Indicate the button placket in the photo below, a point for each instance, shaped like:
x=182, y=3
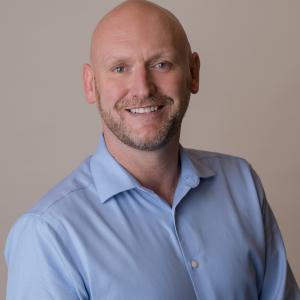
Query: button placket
x=190, y=254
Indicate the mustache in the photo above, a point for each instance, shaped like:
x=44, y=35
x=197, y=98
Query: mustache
x=159, y=100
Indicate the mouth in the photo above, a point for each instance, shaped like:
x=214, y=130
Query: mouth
x=144, y=110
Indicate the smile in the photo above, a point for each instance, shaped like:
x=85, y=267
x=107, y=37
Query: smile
x=143, y=110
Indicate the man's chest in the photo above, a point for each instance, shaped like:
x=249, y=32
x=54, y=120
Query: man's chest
x=157, y=256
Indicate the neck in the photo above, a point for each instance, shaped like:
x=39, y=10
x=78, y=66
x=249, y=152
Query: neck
x=157, y=170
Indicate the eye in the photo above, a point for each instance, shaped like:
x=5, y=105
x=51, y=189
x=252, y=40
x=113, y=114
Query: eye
x=163, y=66
x=119, y=69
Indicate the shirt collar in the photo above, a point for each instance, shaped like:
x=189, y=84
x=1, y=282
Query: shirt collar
x=192, y=166
x=111, y=178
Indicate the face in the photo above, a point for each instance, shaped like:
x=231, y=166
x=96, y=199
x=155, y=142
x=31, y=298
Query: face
x=142, y=82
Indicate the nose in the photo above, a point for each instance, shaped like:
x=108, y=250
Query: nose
x=142, y=85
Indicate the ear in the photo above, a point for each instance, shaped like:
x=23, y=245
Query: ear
x=195, y=69
x=89, y=84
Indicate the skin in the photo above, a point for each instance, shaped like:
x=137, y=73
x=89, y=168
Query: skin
x=141, y=58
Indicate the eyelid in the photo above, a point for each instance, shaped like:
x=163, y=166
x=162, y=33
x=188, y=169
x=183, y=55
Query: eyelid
x=167, y=64
x=121, y=65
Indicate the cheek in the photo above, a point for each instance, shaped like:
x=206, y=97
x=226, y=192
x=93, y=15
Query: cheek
x=175, y=87
x=111, y=91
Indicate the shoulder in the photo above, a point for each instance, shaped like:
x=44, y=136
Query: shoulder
x=236, y=171
x=53, y=211
x=67, y=193
x=218, y=161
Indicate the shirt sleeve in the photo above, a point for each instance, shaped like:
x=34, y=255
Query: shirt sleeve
x=38, y=266
x=279, y=282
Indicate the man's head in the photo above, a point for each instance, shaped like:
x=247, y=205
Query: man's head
x=141, y=74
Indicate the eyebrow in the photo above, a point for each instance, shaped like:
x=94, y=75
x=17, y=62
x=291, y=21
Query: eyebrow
x=114, y=60
x=111, y=60
x=163, y=53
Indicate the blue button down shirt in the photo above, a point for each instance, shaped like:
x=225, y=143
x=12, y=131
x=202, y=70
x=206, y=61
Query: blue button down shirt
x=99, y=234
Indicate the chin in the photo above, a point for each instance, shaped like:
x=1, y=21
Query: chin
x=146, y=143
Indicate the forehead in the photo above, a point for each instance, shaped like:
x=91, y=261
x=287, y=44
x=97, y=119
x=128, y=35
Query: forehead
x=130, y=33
x=129, y=43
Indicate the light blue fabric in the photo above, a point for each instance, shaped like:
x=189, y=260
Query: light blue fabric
x=100, y=235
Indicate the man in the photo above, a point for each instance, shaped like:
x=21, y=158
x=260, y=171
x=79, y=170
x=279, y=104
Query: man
x=145, y=218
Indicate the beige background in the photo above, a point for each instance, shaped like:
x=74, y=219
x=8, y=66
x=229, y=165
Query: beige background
x=248, y=103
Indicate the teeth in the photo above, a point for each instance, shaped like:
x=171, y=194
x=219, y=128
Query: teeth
x=142, y=110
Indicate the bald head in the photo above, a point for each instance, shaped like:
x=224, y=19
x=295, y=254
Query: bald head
x=141, y=75
x=138, y=15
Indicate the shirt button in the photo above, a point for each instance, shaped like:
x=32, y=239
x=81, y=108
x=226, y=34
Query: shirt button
x=194, y=264
x=191, y=181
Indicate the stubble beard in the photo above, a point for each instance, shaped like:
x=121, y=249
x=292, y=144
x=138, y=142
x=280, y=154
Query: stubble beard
x=169, y=128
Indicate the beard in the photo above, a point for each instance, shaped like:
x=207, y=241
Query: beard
x=169, y=128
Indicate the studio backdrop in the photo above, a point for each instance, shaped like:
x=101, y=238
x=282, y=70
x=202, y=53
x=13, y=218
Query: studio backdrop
x=248, y=104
